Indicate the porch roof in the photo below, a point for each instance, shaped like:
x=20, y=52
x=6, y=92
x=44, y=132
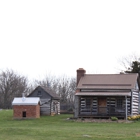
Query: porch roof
x=103, y=93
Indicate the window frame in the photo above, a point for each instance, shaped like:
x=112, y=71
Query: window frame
x=39, y=94
x=119, y=103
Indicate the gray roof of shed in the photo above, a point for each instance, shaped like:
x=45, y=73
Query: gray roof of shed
x=26, y=101
x=49, y=91
x=108, y=81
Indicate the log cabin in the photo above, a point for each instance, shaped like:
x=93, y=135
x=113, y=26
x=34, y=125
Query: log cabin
x=50, y=101
x=106, y=95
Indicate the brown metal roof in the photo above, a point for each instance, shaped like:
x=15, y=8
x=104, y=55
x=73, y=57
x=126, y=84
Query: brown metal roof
x=108, y=81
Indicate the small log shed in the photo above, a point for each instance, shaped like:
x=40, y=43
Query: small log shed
x=50, y=101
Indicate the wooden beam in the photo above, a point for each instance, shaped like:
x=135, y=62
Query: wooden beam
x=77, y=107
x=126, y=107
x=131, y=103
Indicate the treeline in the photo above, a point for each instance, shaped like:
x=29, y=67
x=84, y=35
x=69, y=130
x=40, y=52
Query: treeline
x=13, y=85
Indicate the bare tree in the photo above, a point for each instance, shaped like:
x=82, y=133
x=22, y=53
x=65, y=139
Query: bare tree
x=11, y=85
x=127, y=62
x=49, y=81
x=66, y=89
x=131, y=64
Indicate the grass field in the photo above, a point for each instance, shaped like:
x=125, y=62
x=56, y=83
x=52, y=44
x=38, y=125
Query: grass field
x=59, y=128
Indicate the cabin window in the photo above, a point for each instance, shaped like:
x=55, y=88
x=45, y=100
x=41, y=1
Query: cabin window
x=24, y=114
x=119, y=103
x=88, y=102
x=39, y=93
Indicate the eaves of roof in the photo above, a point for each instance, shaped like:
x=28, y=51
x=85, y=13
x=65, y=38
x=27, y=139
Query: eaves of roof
x=103, y=94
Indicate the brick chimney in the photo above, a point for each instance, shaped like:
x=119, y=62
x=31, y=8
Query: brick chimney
x=80, y=73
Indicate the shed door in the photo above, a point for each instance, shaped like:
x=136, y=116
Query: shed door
x=102, y=105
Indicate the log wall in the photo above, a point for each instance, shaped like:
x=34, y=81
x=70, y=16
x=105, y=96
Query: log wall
x=135, y=103
x=89, y=105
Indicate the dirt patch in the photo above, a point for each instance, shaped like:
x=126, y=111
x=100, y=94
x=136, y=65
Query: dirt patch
x=103, y=120
x=138, y=134
x=86, y=136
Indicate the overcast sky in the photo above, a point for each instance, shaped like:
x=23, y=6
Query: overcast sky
x=38, y=37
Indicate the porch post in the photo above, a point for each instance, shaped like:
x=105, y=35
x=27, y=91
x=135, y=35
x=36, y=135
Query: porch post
x=76, y=112
x=131, y=103
x=126, y=107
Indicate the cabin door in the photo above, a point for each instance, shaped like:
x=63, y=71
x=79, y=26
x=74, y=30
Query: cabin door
x=102, y=105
